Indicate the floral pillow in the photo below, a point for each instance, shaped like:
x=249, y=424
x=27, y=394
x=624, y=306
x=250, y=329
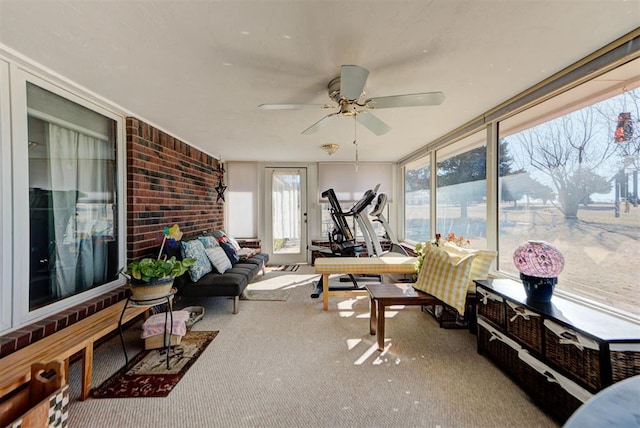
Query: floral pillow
x=208, y=241
x=202, y=266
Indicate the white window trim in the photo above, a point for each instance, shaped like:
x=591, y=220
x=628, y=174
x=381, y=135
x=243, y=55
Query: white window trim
x=5, y=200
x=20, y=206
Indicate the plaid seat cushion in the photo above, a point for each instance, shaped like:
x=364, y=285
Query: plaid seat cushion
x=481, y=263
x=445, y=277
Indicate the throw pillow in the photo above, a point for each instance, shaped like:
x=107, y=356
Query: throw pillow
x=222, y=236
x=445, y=278
x=481, y=263
x=202, y=266
x=231, y=252
x=233, y=242
x=218, y=259
x=208, y=241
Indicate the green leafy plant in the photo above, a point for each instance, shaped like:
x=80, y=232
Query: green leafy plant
x=149, y=270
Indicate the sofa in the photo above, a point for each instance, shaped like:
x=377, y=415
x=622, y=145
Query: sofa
x=217, y=273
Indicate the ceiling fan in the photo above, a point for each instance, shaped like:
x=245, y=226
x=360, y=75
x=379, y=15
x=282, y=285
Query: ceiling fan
x=346, y=91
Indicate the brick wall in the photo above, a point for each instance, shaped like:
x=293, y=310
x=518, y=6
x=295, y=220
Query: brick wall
x=168, y=182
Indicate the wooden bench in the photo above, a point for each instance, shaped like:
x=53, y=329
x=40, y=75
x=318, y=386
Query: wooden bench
x=359, y=265
x=15, y=368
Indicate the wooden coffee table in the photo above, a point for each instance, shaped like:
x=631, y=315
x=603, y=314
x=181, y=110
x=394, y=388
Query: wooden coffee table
x=383, y=295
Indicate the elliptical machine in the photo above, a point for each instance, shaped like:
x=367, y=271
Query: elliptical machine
x=378, y=213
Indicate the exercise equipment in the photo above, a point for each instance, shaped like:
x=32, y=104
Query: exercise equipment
x=342, y=242
x=378, y=213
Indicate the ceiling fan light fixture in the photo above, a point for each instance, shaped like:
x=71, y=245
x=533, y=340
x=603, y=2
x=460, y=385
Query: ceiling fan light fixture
x=330, y=148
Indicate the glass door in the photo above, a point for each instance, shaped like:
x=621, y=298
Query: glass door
x=286, y=210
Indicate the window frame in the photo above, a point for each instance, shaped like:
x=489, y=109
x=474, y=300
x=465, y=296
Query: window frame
x=6, y=233
x=20, y=205
x=608, y=59
x=461, y=146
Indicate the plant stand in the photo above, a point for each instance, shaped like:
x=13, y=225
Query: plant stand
x=167, y=298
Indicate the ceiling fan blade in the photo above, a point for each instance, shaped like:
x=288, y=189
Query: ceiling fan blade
x=319, y=124
x=409, y=100
x=374, y=124
x=352, y=80
x=293, y=106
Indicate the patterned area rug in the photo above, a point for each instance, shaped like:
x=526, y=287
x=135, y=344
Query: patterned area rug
x=148, y=376
x=282, y=268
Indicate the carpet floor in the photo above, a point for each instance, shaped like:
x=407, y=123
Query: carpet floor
x=291, y=364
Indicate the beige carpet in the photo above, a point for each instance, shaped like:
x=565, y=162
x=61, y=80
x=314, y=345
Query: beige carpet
x=291, y=364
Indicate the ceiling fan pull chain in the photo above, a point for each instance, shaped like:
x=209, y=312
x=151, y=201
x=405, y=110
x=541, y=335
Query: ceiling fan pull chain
x=355, y=139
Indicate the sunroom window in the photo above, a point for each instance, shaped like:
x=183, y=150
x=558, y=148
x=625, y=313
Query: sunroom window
x=73, y=230
x=573, y=182
x=417, y=185
x=461, y=190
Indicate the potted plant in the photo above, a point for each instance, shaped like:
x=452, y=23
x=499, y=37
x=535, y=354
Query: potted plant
x=151, y=278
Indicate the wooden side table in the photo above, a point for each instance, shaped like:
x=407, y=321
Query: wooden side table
x=383, y=295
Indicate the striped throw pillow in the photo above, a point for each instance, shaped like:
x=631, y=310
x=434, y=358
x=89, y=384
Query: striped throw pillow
x=481, y=263
x=218, y=259
x=445, y=277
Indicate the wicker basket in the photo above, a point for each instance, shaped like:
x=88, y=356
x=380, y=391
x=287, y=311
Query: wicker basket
x=500, y=349
x=491, y=307
x=574, y=353
x=525, y=326
x=625, y=360
x=448, y=317
x=547, y=392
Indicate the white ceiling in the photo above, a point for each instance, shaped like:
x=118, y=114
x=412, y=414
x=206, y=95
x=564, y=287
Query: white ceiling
x=199, y=69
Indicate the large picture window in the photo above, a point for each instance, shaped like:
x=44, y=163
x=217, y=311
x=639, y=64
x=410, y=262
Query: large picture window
x=417, y=185
x=571, y=179
x=563, y=170
x=73, y=233
x=461, y=190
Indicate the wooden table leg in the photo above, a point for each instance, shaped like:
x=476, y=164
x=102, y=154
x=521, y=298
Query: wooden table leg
x=325, y=291
x=380, y=329
x=87, y=371
x=372, y=316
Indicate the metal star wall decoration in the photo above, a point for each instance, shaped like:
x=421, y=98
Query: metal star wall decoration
x=220, y=189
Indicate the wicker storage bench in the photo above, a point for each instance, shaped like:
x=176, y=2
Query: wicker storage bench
x=561, y=353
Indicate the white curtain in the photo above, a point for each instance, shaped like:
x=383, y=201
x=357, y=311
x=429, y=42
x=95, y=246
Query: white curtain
x=79, y=173
x=286, y=205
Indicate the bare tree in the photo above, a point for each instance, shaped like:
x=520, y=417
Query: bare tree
x=571, y=152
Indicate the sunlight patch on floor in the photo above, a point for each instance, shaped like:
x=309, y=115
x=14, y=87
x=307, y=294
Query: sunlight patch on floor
x=352, y=343
x=373, y=351
x=276, y=280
